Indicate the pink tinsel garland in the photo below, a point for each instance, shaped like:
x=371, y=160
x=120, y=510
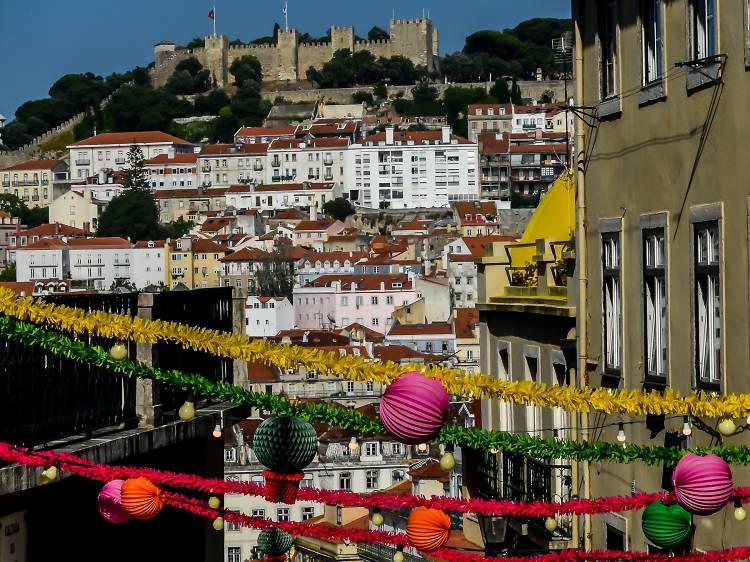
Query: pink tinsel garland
x=509, y=508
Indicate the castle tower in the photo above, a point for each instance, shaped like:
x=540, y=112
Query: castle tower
x=287, y=52
x=413, y=39
x=342, y=37
x=215, y=58
x=164, y=51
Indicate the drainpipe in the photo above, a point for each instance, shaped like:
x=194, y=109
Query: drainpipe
x=582, y=309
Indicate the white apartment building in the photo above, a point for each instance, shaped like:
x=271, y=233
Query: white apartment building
x=172, y=170
x=224, y=165
x=267, y=316
x=93, y=263
x=149, y=264
x=272, y=197
x=315, y=264
x=489, y=118
x=336, y=301
x=109, y=151
x=403, y=170
x=81, y=206
x=314, y=160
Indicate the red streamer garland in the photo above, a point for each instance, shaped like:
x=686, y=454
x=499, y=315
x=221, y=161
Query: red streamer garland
x=104, y=473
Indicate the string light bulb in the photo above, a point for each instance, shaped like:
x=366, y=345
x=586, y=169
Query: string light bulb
x=218, y=523
x=398, y=556
x=550, y=524
x=214, y=502
x=353, y=445
x=422, y=447
x=377, y=517
x=687, y=429
x=217, y=431
x=739, y=512
x=621, y=437
x=187, y=411
x=748, y=419
x=448, y=461
x=119, y=351
x=727, y=427
x=49, y=474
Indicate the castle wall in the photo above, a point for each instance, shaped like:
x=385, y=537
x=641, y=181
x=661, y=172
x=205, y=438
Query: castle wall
x=379, y=49
x=267, y=55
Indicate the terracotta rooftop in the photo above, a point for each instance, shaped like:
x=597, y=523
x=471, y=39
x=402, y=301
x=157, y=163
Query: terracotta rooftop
x=34, y=165
x=314, y=338
x=467, y=319
x=145, y=243
x=302, y=144
x=366, y=282
x=370, y=334
x=430, y=471
x=433, y=329
x=178, y=158
x=132, y=137
x=260, y=373
x=485, y=107
x=398, y=353
x=341, y=256
x=474, y=208
x=290, y=215
x=419, y=137
x=316, y=225
x=229, y=149
x=54, y=229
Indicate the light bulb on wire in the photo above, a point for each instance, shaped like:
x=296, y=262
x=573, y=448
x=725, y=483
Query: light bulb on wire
x=187, y=411
x=621, y=437
x=422, y=447
x=687, y=429
x=217, y=431
x=353, y=445
x=739, y=512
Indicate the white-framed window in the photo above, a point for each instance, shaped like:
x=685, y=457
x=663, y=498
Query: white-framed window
x=397, y=449
x=397, y=475
x=703, y=34
x=345, y=480
x=608, y=48
x=230, y=455
x=371, y=479
x=708, y=302
x=350, y=387
x=308, y=513
x=282, y=514
x=234, y=554
x=371, y=448
x=652, y=29
x=531, y=373
x=611, y=302
x=655, y=302
x=260, y=513
x=233, y=527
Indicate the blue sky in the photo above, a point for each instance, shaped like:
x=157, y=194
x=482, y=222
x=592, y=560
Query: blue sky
x=42, y=40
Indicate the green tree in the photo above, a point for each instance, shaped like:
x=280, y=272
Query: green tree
x=211, y=103
x=132, y=215
x=135, y=173
x=363, y=97
x=248, y=106
x=15, y=135
x=246, y=68
x=378, y=34
x=547, y=96
x=225, y=126
x=178, y=228
x=338, y=208
x=515, y=93
x=380, y=91
x=139, y=108
x=500, y=91
x=14, y=206
x=196, y=43
x=191, y=64
x=9, y=273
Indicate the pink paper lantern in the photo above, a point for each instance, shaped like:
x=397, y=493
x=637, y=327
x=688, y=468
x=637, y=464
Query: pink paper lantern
x=414, y=408
x=702, y=484
x=109, y=505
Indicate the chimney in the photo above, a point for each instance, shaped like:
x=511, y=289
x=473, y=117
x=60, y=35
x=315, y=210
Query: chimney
x=538, y=134
x=102, y=177
x=427, y=267
x=170, y=152
x=314, y=212
x=446, y=138
x=389, y=135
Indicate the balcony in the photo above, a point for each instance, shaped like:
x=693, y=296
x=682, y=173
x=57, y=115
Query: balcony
x=120, y=160
x=6, y=184
x=83, y=162
x=383, y=553
x=328, y=177
x=206, y=184
x=276, y=163
x=258, y=166
x=328, y=161
x=206, y=168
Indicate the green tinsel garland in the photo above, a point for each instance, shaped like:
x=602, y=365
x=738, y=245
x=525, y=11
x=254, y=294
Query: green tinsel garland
x=334, y=416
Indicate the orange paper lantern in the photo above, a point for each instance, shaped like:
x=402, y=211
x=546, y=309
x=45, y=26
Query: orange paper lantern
x=428, y=529
x=140, y=498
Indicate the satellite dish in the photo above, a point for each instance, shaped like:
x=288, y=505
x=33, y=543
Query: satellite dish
x=331, y=319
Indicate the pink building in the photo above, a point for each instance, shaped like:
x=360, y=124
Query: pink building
x=335, y=301
x=308, y=233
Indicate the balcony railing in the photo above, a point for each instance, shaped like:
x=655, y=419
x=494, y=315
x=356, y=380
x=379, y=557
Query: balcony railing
x=328, y=161
x=328, y=177
x=83, y=162
x=258, y=166
x=6, y=184
x=119, y=160
x=383, y=553
x=206, y=168
x=206, y=184
x=276, y=163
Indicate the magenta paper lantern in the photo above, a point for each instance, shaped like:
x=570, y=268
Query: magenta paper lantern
x=702, y=485
x=414, y=408
x=109, y=503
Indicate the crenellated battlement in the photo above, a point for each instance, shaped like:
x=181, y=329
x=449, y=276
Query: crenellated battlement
x=289, y=59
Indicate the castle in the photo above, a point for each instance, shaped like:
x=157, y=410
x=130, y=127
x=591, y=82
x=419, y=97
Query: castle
x=288, y=59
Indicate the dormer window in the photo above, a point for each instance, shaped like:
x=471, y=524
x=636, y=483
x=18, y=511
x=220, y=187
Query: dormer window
x=491, y=111
x=397, y=285
x=478, y=111
x=468, y=217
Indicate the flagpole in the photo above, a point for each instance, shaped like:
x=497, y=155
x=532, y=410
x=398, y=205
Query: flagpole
x=214, y=20
x=286, y=16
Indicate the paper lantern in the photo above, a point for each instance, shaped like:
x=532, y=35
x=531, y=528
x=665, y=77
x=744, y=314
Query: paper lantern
x=109, y=503
x=286, y=445
x=428, y=529
x=140, y=498
x=702, y=484
x=414, y=408
x=274, y=544
x=667, y=526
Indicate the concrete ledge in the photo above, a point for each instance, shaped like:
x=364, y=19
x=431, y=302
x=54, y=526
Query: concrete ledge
x=529, y=308
x=117, y=446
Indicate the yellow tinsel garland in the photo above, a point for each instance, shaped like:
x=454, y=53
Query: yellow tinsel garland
x=456, y=382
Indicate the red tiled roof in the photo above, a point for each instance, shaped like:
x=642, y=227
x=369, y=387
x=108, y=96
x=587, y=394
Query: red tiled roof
x=303, y=186
x=315, y=338
x=324, y=127
x=54, y=229
x=266, y=131
x=478, y=246
x=189, y=193
x=433, y=329
x=214, y=224
x=483, y=107
x=370, y=334
x=259, y=373
x=34, y=165
x=417, y=136
x=132, y=137
x=310, y=225
x=398, y=353
x=473, y=208
x=430, y=471
x=228, y=149
x=543, y=148
x=290, y=214
x=105, y=241
x=145, y=243
x=25, y=287
x=489, y=143
x=466, y=320
x=208, y=246
x=178, y=158
x=365, y=282
x=339, y=256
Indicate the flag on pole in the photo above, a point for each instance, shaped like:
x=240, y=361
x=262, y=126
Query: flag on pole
x=283, y=11
x=211, y=14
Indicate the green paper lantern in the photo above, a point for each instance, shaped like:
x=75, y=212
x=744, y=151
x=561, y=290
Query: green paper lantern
x=274, y=542
x=667, y=526
x=285, y=444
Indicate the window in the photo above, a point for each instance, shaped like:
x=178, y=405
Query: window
x=655, y=303
x=261, y=513
x=282, y=514
x=374, y=300
x=371, y=479
x=350, y=387
x=652, y=29
x=345, y=481
x=708, y=305
x=611, y=306
x=344, y=301
x=371, y=449
x=375, y=321
x=234, y=554
x=230, y=455
x=308, y=513
x=397, y=475
x=389, y=300
x=397, y=449
x=703, y=28
x=608, y=47
x=233, y=527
